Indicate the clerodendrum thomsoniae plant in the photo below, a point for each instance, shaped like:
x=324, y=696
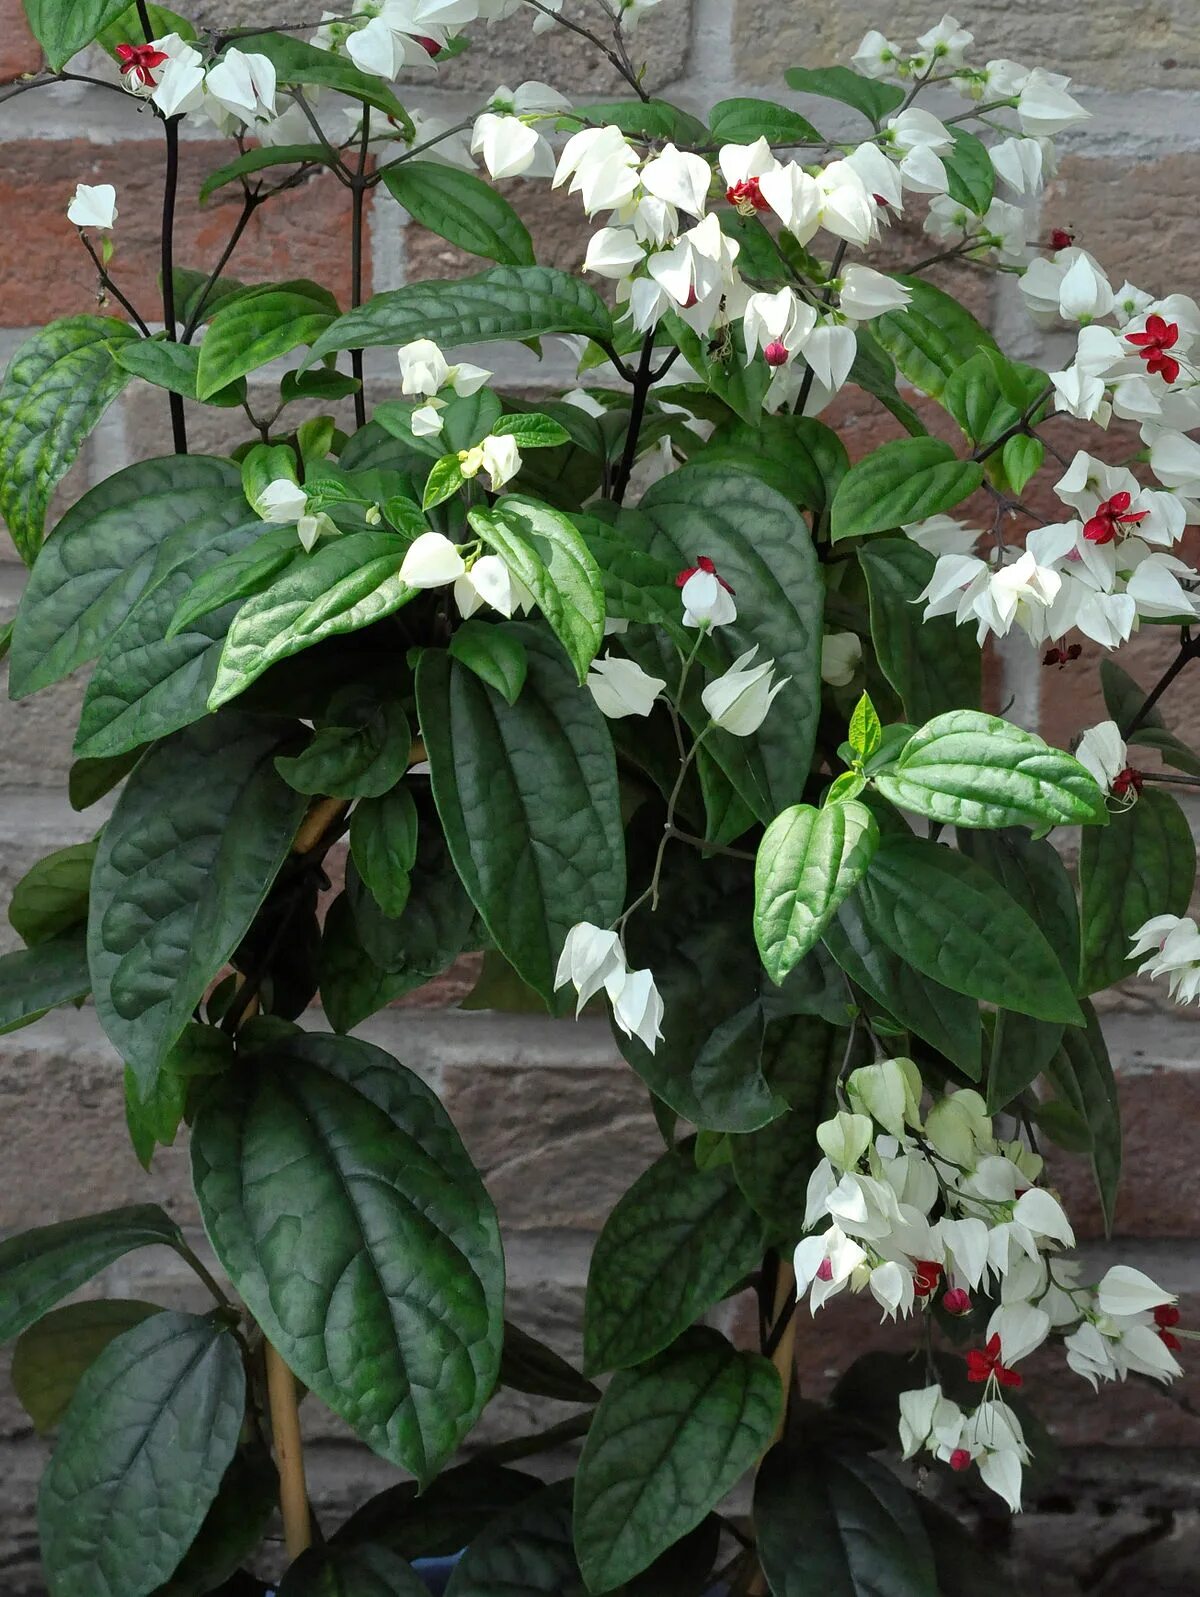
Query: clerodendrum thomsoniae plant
x=695, y=753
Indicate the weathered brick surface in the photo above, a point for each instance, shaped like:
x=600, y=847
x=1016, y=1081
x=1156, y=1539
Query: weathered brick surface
x=1114, y=206
x=1106, y=45
x=19, y=50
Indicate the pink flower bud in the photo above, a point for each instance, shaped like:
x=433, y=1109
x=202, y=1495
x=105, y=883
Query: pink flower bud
x=775, y=353
x=960, y=1459
x=957, y=1301
x=825, y=1271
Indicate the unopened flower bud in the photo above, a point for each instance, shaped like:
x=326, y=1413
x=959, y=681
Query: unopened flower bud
x=775, y=354
x=960, y=1459
x=957, y=1301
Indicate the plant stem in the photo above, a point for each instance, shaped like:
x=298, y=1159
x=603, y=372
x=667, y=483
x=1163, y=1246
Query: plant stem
x=835, y=266
x=250, y=204
x=618, y=60
x=358, y=194
x=110, y=287
x=205, y=1274
x=1189, y=647
x=289, y=1453
x=170, y=188
x=641, y=393
x=1019, y=426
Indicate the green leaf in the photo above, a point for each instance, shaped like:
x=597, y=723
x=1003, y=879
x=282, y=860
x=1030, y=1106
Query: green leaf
x=353, y=987
x=1021, y=1049
x=443, y=482
x=796, y=455
x=865, y=731
x=248, y=332
x=244, y=572
x=1032, y=872
x=345, y=584
x=127, y=27
x=38, y=1268
x=526, y=1551
x=724, y=366
x=1022, y=458
x=52, y=897
x=669, y=1439
x=351, y=1571
x=678, y=1241
x=262, y=158
x=742, y=121
x=527, y=795
x=33, y=980
x=494, y=654
x=948, y=1020
x=198, y=834
x=639, y=119
x=51, y=1356
x=969, y=769
x=119, y=539
x=57, y=386
x=196, y=300
x=462, y=208
x=874, y=371
x=63, y=30
x=532, y=430
x=527, y=1365
x=933, y=665
x=546, y=550
x=383, y=846
x=297, y=62
x=147, y=685
x=441, y=1520
x=839, y=1522
x=931, y=337
x=807, y=862
x=363, y=758
x=874, y=100
x=150, y=1432
x=1082, y=1074
x=901, y=482
x=1142, y=864
x=345, y=1210
x=232, y=1529
x=1063, y=1124
x=762, y=547
x=502, y=303
x=172, y=366
x=89, y=780
x=970, y=171
x=914, y=890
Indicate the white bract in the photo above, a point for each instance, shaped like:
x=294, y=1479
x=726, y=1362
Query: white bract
x=430, y=561
x=620, y=687
x=738, y=701
x=94, y=205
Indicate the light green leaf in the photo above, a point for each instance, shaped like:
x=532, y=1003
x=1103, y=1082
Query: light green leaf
x=807, y=862
x=532, y=430
x=51, y=1356
x=443, y=482
x=527, y=795
x=495, y=655
x=198, y=834
x=121, y=538
x=874, y=100
x=345, y=584
x=969, y=769
x=931, y=337
x=914, y=890
x=57, y=386
x=504, y=302
x=1142, y=864
x=462, y=208
x=345, y=1210
x=63, y=30
x=865, y=731
x=970, y=171
x=52, y=897
x=127, y=27
x=638, y=119
x=1022, y=458
x=933, y=665
x=668, y=1440
x=39, y=1268
x=741, y=121
x=901, y=482
x=150, y=1432
x=677, y=1241
x=258, y=327
x=546, y=550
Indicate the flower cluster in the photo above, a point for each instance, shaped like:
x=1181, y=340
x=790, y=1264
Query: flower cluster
x=927, y=1207
x=593, y=959
x=1173, y=943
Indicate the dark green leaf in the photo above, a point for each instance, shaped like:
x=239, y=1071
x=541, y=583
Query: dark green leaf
x=351, y=1571
x=345, y=1210
x=244, y=572
x=677, y=1241
x=1032, y=872
x=874, y=100
x=444, y=1518
x=668, y=1440
x=970, y=171
x=198, y=834
x=63, y=30
x=494, y=654
x=172, y=366
x=796, y=455
x=232, y=1528
x=246, y=333
x=150, y=1432
x=528, y=1365
x=901, y=482
x=931, y=337
x=33, y=980
x=1082, y=1074
x=1142, y=864
x=640, y=119
x=1021, y=1049
x=527, y=795
x=933, y=665
x=353, y=987
x=807, y=862
x=260, y=159
x=383, y=845
x=742, y=121
x=462, y=208
x=52, y=897
x=89, y=780
x=526, y=1552
x=50, y=1357
x=360, y=760
x=724, y=365
x=57, y=386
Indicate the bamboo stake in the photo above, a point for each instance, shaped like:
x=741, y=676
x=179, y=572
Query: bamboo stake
x=289, y=1454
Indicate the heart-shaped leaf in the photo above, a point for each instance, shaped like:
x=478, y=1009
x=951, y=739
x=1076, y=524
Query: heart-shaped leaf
x=807, y=862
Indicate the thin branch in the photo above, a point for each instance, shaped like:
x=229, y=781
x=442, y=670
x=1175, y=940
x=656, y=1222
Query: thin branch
x=358, y=194
x=251, y=203
x=419, y=149
x=1189, y=648
x=619, y=58
x=642, y=384
x=341, y=172
x=110, y=287
x=1019, y=426
x=42, y=80
x=835, y=267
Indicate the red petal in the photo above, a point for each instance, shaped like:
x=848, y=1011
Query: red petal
x=1118, y=502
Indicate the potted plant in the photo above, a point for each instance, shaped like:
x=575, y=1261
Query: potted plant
x=650, y=694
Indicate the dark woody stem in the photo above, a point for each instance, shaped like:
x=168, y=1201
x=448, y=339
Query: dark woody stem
x=358, y=194
x=110, y=287
x=170, y=188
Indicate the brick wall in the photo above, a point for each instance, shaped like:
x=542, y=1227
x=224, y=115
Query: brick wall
x=556, y=1122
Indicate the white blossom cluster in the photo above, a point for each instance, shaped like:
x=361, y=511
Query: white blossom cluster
x=928, y=1206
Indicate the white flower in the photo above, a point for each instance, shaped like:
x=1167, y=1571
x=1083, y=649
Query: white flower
x=876, y=57
x=620, y=687
x=942, y=535
x=865, y=293
x=947, y=42
x=1044, y=106
x=741, y=162
x=489, y=581
x=637, y=1005
x=1124, y=1290
x=1020, y=163
x=602, y=167
x=282, y=500
x=426, y=421
x=829, y=350
x=707, y=600
x=841, y=653
x=825, y=1263
x=924, y=1413
x=892, y=1288
x=878, y=174
x=992, y=1435
x=1040, y=1214
x=1154, y=585
x=590, y=958
x=244, y=85
x=498, y=455
x=310, y=528
x=1102, y=752
x=1084, y=293
x=1175, y=461
x=738, y=700
x=779, y=318
x=1091, y=1355
x=423, y=368
x=847, y=209
x=889, y=1091
x=1021, y=1327
x=795, y=197
x=94, y=205
x=922, y=140
x=180, y=85
x=613, y=252
x=430, y=561
x=694, y=274
x=845, y=1139
x=678, y=179
x=510, y=147
x=966, y=1243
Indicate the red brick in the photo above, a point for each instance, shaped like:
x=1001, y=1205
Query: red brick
x=303, y=233
x=1115, y=207
x=19, y=50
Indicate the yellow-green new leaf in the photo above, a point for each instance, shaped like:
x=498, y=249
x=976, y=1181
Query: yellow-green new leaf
x=808, y=861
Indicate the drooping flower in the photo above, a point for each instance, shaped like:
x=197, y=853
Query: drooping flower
x=590, y=957
x=431, y=561
x=620, y=687
x=138, y=65
x=738, y=700
x=282, y=500
x=986, y=1363
x=94, y=205
x=244, y=85
x=707, y=597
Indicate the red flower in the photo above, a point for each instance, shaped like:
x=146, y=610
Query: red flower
x=1153, y=344
x=957, y=1301
x=747, y=197
x=139, y=61
x=928, y=1274
x=960, y=1459
x=1169, y=1341
x=1166, y=1314
x=430, y=46
x=775, y=353
x=983, y=1363
x=1127, y=780
x=703, y=563
x=1111, y=517
x=1059, y=656
x=1060, y=239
